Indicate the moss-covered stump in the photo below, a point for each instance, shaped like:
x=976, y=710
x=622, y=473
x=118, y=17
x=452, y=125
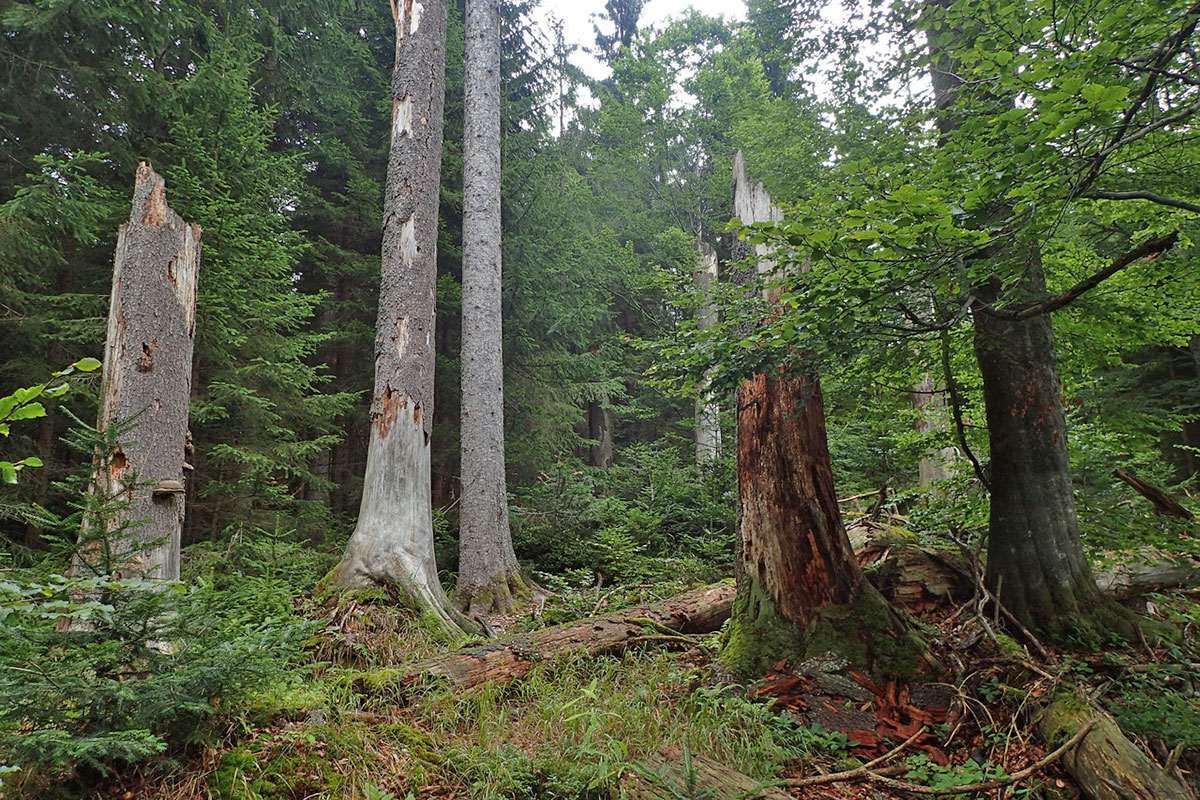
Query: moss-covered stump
x=867, y=632
x=1105, y=764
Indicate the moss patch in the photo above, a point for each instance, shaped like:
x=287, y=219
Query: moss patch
x=867, y=632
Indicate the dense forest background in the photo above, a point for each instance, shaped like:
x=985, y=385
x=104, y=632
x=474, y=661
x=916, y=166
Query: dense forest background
x=270, y=124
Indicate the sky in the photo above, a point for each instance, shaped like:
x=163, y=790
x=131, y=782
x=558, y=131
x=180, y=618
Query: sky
x=577, y=20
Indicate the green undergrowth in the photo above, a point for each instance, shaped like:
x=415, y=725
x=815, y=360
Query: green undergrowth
x=570, y=730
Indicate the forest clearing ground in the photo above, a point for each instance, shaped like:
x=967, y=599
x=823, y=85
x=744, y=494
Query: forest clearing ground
x=589, y=727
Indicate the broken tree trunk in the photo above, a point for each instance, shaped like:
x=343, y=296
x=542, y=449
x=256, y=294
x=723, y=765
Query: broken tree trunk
x=708, y=412
x=671, y=775
x=1106, y=764
x=144, y=390
x=800, y=588
x=929, y=401
x=697, y=611
x=1163, y=503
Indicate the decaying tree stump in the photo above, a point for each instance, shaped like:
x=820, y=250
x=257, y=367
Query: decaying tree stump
x=698, y=611
x=146, y=385
x=1105, y=764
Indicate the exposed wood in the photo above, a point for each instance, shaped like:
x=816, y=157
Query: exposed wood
x=697, y=611
x=1106, y=764
x=1163, y=503
x=672, y=774
x=146, y=385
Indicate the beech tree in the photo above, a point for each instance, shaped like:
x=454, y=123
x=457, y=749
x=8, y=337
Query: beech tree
x=1023, y=196
x=800, y=591
x=488, y=573
x=392, y=543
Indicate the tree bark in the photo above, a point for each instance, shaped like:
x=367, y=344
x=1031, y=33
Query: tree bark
x=800, y=588
x=488, y=574
x=392, y=543
x=144, y=391
x=695, y=612
x=1035, y=565
x=708, y=412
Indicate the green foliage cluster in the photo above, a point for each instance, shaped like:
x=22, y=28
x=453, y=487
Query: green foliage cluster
x=650, y=517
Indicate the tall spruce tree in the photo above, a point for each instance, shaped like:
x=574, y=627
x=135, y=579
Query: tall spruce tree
x=488, y=573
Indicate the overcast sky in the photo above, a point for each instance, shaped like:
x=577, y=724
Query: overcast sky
x=577, y=19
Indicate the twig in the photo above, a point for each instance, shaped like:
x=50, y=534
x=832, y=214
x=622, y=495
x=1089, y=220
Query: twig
x=986, y=786
x=857, y=772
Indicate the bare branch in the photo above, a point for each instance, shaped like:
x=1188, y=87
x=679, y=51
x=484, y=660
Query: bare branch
x=1147, y=196
x=1152, y=248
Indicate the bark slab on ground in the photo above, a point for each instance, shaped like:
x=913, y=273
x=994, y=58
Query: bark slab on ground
x=697, y=611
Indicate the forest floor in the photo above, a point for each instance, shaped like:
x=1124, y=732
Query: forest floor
x=662, y=720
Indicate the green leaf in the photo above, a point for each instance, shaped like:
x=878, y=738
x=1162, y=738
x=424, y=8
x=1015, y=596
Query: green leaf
x=8, y=472
x=58, y=391
x=88, y=364
x=30, y=411
x=32, y=461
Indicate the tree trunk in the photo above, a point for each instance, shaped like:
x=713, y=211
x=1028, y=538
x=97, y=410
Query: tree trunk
x=800, y=588
x=930, y=404
x=708, y=412
x=488, y=571
x=145, y=389
x=392, y=543
x=697, y=611
x=600, y=454
x=1035, y=565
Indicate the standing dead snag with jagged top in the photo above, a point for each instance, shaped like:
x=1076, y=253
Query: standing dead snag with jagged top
x=488, y=575
x=800, y=589
x=708, y=412
x=392, y=543
x=146, y=385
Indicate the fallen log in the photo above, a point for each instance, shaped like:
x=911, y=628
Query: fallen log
x=917, y=576
x=697, y=611
x=672, y=775
x=1163, y=503
x=1105, y=764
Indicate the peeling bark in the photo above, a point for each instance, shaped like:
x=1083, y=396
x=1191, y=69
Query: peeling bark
x=392, y=543
x=708, y=412
x=145, y=387
x=488, y=573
